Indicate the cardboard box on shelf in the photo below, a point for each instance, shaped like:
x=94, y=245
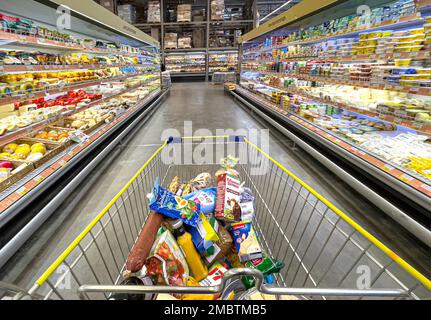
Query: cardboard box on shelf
x=154, y=12
x=217, y=10
x=127, y=12
x=184, y=13
x=184, y=42
x=171, y=40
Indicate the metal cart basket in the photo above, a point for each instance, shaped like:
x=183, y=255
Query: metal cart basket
x=327, y=254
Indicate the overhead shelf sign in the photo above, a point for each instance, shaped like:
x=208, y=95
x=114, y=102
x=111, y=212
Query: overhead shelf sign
x=91, y=10
x=298, y=11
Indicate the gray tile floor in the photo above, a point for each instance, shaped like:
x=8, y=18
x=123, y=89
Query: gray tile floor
x=207, y=107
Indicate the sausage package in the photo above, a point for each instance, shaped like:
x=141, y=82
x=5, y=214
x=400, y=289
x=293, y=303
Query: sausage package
x=228, y=192
x=167, y=203
x=167, y=264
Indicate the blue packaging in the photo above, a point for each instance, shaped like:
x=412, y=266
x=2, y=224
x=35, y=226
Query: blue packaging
x=206, y=198
x=167, y=203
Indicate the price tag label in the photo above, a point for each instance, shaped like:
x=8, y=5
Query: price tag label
x=39, y=179
x=406, y=178
x=22, y=191
x=79, y=137
x=387, y=168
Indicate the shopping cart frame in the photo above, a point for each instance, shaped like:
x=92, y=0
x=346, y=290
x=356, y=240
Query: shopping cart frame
x=85, y=289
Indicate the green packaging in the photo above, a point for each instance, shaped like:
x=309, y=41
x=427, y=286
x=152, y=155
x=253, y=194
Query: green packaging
x=266, y=265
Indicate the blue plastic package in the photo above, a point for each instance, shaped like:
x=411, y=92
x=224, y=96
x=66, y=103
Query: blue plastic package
x=206, y=198
x=167, y=203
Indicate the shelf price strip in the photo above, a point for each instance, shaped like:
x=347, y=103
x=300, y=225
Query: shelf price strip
x=402, y=176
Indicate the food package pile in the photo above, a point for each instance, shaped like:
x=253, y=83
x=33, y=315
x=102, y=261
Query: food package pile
x=153, y=12
x=196, y=231
x=184, y=13
x=171, y=40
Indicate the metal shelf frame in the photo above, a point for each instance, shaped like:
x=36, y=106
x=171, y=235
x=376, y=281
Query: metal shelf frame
x=208, y=25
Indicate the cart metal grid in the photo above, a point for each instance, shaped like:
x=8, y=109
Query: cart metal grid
x=327, y=254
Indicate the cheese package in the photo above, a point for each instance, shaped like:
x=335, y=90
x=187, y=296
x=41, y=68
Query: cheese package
x=246, y=243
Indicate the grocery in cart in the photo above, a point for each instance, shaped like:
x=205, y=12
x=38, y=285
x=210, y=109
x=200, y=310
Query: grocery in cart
x=239, y=227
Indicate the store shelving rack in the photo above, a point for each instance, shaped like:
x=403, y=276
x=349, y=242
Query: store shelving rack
x=207, y=25
x=88, y=20
x=414, y=188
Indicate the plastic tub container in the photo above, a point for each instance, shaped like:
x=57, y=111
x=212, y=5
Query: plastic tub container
x=408, y=49
x=423, y=70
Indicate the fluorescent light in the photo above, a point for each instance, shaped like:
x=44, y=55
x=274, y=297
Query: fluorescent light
x=280, y=7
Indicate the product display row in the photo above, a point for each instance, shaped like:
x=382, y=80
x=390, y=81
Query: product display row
x=197, y=62
x=190, y=63
x=60, y=92
x=398, y=151
x=223, y=62
x=64, y=133
x=359, y=81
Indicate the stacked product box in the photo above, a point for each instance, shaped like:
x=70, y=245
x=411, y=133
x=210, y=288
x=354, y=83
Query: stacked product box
x=217, y=9
x=184, y=42
x=184, y=13
x=127, y=12
x=171, y=40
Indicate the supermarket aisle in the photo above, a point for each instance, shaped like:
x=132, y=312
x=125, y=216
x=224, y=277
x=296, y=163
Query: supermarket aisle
x=207, y=107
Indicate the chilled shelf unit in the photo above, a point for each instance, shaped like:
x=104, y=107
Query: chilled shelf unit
x=356, y=86
x=64, y=93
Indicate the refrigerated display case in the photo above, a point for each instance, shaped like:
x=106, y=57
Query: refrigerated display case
x=187, y=63
x=357, y=84
x=65, y=91
x=223, y=61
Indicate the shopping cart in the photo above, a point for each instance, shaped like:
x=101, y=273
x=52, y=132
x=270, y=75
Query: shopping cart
x=327, y=254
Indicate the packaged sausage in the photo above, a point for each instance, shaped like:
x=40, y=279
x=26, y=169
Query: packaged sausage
x=167, y=203
x=228, y=192
x=167, y=264
x=142, y=247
